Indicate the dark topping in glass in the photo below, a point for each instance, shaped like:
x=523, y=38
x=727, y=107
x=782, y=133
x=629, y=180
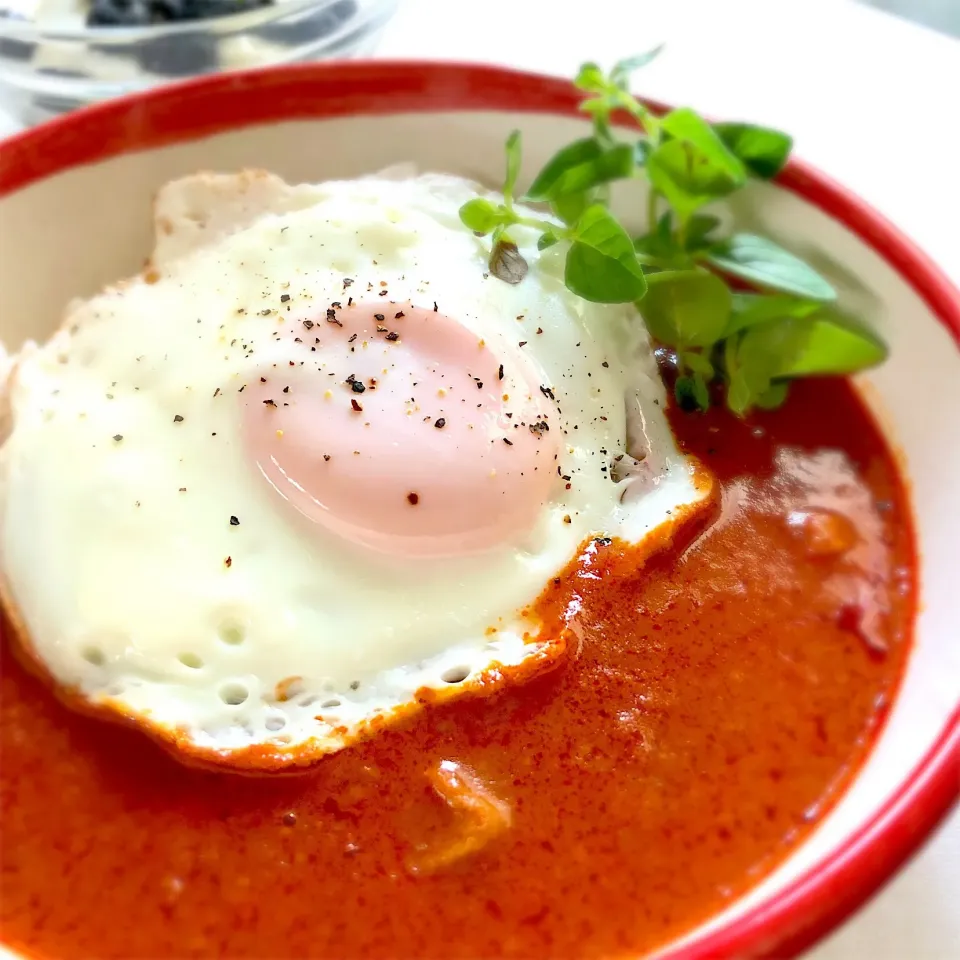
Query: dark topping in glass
x=440, y=423
x=332, y=317
x=379, y=316
x=500, y=372
x=393, y=335
x=326, y=456
x=286, y=389
x=178, y=419
x=284, y=297
x=547, y=392
x=309, y=323
x=269, y=403
x=397, y=316
x=228, y=562
x=118, y=437
x=509, y=443
x=347, y=282
x=357, y=386
x=234, y=522
x=356, y=406
x=352, y=337
x=413, y=499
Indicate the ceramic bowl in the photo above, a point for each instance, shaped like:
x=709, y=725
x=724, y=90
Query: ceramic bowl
x=75, y=213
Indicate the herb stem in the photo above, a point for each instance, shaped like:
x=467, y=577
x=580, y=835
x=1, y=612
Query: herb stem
x=652, y=197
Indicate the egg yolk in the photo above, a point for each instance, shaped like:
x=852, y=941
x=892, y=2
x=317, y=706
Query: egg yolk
x=397, y=428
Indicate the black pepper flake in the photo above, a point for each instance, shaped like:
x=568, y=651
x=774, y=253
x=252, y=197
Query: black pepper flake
x=539, y=428
x=539, y=329
x=357, y=386
x=286, y=389
x=118, y=437
x=356, y=406
x=244, y=387
x=508, y=442
x=284, y=297
x=351, y=338
x=547, y=392
x=266, y=313
x=269, y=403
x=500, y=372
x=263, y=379
x=383, y=293
x=228, y=562
x=379, y=316
x=347, y=282
x=337, y=304
x=350, y=302
x=178, y=419
x=413, y=499
x=440, y=423
x=332, y=317
x=216, y=392
x=522, y=343
x=183, y=490
x=393, y=335
x=604, y=364
x=326, y=456
x=397, y=316
x=435, y=306
x=234, y=522
x=354, y=684
x=308, y=324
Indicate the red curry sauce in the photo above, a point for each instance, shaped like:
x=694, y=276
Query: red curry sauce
x=720, y=699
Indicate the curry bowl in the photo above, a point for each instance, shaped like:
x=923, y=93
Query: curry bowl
x=75, y=202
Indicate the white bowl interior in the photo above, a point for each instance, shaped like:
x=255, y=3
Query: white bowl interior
x=66, y=235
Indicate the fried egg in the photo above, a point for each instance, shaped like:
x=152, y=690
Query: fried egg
x=312, y=468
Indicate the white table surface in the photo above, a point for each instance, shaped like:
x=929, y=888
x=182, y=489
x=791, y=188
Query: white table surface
x=858, y=89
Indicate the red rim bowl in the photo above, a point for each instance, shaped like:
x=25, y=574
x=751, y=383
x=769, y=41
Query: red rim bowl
x=814, y=903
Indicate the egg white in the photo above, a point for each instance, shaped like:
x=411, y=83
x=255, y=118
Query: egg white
x=115, y=551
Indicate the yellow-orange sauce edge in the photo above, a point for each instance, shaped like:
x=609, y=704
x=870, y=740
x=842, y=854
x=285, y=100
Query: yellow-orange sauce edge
x=718, y=701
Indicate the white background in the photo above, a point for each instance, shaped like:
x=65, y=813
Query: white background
x=872, y=101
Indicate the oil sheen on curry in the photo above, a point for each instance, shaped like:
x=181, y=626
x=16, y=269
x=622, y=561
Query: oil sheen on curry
x=360, y=603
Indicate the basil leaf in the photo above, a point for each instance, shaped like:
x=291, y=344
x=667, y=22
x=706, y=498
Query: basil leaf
x=590, y=78
x=572, y=155
x=480, y=215
x=698, y=363
x=752, y=308
x=689, y=127
x=685, y=178
x=764, y=263
x=699, y=228
x=692, y=393
x=686, y=308
x=576, y=170
x=601, y=265
x=620, y=74
x=660, y=245
x=513, y=150
x=570, y=206
x=763, y=150
x=826, y=343
x=774, y=395
x=547, y=240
